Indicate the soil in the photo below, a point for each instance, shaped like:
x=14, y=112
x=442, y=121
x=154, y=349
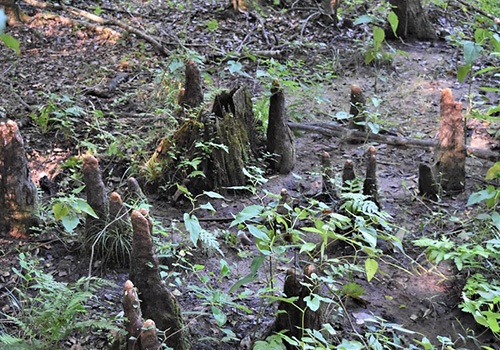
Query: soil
x=65, y=58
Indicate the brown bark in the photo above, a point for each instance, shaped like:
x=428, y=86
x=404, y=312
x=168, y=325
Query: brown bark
x=96, y=195
x=192, y=94
x=334, y=130
x=357, y=109
x=450, y=152
x=149, y=338
x=157, y=302
x=370, y=187
x=348, y=173
x=427, y=185
x=280, y=140
x=118, y=241
x=133, y=315
x=234, y=126
x=413, y=21
x=18, y=194
x=294, y=317
x=327, y=176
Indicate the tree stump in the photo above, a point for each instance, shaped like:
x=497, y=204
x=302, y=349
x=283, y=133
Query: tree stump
x=370, y=187
x=448, y=172
x=157, y=302
x=413, y=21
x=280, y=141
x=96, y=196
x=327, y=176
x=450, y=152
x=18, y=194
x=132, y=310
x=357, y=109
x=348, y=173
x=191, y=95
x=295, y=316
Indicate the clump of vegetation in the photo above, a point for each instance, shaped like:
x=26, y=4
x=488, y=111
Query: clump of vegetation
x=45, y=311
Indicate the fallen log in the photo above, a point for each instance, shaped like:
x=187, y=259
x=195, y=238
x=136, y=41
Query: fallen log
x=335, y=130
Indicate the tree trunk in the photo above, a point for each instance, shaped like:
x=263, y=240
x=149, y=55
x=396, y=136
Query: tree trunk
x=18, y=194
x=413, y=21
x=156, y=301
x=280, y=141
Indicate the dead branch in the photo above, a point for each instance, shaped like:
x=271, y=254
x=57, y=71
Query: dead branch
x=335, y=130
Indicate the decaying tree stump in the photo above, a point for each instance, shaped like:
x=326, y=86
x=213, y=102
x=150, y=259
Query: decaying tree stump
x=96, y=196
x=191, y=95
x=295, y=316
x=18, y=194
x=413, y=21
x=448, y=172
x=357, y=109
x=370, y=187
x=157, y=302
x=348, y=173
x=280, y=141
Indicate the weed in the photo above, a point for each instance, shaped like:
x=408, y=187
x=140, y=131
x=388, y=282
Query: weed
x=48, y=311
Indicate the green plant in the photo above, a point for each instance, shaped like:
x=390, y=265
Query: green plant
x=69, y=211
x=47, y=311
x=479, y=256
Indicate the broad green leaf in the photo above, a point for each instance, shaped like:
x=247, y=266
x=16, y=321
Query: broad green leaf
x=350, y=345
x=219, y=316
x=378, y=36
x=207, y=206
x=307, y=247
x=393, y=21
x=493, y=172
x=81, y=205
x=11, y=42
x=371, y=267
x=252, y=276
x=193, y=226
x=481, y=196
x=471, y=51
x=70, y=222
x=462, y=72
x=250, y=212
x=60, y=211
x=363, y=20
x=313, y=302
x=257, y=233
x=213, y=194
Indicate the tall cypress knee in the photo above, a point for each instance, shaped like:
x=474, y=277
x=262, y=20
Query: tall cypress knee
x=280, y=141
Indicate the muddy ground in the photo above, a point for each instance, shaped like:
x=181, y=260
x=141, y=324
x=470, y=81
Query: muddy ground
x=61, y=57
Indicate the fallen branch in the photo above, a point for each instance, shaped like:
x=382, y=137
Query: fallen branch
x=335, y=130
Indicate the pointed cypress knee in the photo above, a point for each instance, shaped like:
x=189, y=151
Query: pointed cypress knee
x=280, y=140
x=370, y=188
x=18, y=194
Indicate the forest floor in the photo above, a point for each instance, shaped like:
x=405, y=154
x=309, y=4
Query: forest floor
x=64, y=63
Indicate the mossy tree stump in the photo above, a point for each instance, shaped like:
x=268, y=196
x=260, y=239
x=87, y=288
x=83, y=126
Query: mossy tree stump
x=18, y=194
